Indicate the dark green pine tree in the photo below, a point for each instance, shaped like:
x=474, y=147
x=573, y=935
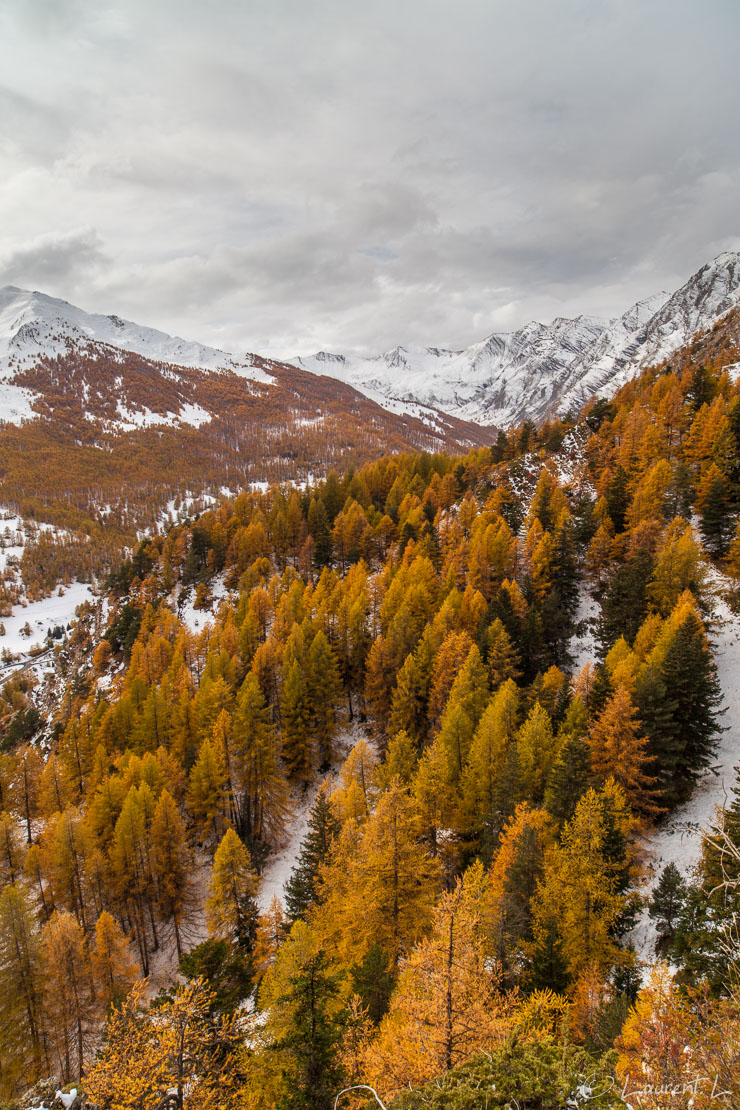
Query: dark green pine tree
x=499, y=449
x=533, y=648
x=559, y=607
x=624, y=604
x=679, y=496
x=733, y=463
x=657, y=714
x=601, y=410
x=373, y=981
x=569, y=779
x=584, y=524
x=227, y=969
x=318, y=526
x=600, y=692
x=323, y=826
x=507, y=793
x=688, y=742
x=702, y=388
x=527, y=435
x=666, y=905
x=548, y=970
x=699, y=945
x=715, y=523
x=618, y=498
x=313, y=1037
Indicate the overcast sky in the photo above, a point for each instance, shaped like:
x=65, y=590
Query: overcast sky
x=293, y=175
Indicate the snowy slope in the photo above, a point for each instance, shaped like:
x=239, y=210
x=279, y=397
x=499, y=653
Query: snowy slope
x=544, y=368
x=280, y=864
x=506, y=378
x=660, y=326
x=32, y=323
x=613, y=359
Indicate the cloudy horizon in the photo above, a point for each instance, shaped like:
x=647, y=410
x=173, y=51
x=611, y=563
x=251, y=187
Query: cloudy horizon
x=296, y=176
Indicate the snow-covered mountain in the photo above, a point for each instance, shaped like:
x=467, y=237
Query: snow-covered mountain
x=543, y=368
x=653, y=330
x=94, y=379
x=507, y=378
x=531, y=373
x=33, y=324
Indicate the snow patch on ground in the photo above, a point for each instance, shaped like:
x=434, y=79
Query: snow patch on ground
x=194, y=415
x=583, y=647
x=43, y=616
x=133, y=419
x=16, y=404
x=679, y=839
x=281, y=863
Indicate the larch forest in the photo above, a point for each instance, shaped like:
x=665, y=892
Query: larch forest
x=388, y=659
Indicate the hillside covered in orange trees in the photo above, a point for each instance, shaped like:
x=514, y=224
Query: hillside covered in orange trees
x=360, y=778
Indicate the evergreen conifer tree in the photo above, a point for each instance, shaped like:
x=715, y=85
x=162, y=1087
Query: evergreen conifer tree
x=666, y=904
x=373, y=981
x=570, y=778
x=624, y=604
x=713, y=503
x=323, y=826
x=678, y=705
x=313, y=1036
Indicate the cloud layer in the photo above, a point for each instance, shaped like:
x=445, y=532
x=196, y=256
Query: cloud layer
x=285, y=176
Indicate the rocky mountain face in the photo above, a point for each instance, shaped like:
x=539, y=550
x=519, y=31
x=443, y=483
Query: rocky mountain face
x=542, y=369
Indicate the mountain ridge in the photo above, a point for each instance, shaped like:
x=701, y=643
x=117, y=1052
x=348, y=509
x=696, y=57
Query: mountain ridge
x=540, y=370
x=532, y=373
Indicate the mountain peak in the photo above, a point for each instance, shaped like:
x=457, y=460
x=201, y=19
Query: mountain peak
x=33, y=324
x=538, y=369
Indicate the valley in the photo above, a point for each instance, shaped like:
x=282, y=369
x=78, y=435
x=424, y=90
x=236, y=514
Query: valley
x=297, y=692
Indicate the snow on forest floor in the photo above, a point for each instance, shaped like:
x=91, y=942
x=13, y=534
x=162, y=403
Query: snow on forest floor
x=164, y=963
x=33, y=652
x=583, y=642
x=678, y=840
x=43, y=616
x=281, y=863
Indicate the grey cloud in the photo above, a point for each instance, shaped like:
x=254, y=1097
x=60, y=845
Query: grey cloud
x=53, y=259
x=295, y=175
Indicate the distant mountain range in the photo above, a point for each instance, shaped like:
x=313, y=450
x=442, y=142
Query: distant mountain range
x=187, y=383
x=542, y=369
x=107, y=377
x=104, y=420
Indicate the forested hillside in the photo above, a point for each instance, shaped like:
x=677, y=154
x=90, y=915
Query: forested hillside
x=394, y=648
x=113, y=442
